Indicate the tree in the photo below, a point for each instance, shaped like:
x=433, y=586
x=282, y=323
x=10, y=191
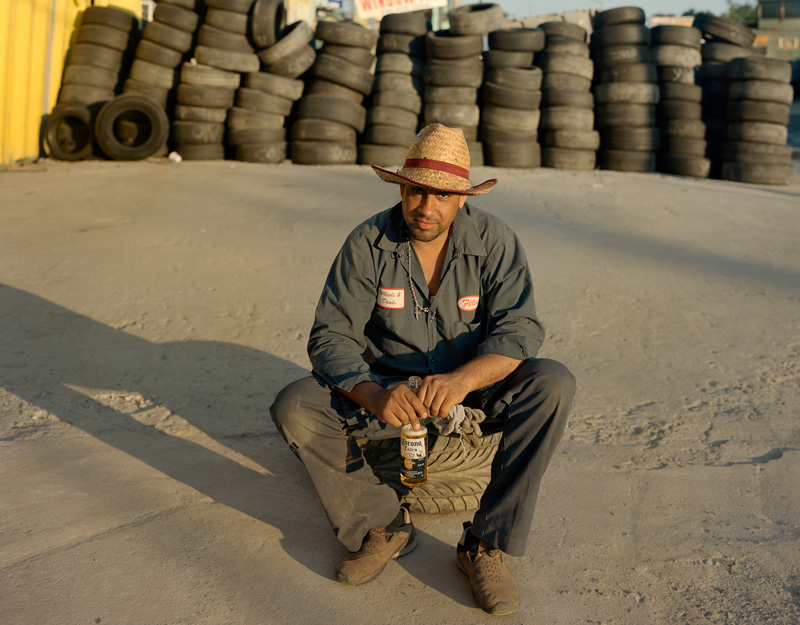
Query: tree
x=744, y=13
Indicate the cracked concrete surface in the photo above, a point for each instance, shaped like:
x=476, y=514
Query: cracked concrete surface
x=149, y=313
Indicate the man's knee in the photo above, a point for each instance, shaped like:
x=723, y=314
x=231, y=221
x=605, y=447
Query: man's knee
x=553, y=378
x=290, y=406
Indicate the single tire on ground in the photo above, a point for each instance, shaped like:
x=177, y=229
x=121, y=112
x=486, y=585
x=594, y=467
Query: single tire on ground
x=568, y=158
x=69, y=132
x=626, y=160
x=758, y=173
x=261, y=152
x=323, y=153
x=138, y=109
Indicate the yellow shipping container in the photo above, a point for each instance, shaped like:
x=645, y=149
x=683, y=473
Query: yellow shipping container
x=35, y=36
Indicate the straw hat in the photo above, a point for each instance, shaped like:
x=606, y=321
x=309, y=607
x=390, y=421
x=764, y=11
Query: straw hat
x=438, y=159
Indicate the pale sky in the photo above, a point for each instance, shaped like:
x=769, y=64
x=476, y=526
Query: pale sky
x=524, y=8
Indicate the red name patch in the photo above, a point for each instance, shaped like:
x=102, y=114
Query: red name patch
x=391, y=298
x=468, y=303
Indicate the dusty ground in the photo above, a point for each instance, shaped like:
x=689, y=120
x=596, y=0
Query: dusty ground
x=149, y=313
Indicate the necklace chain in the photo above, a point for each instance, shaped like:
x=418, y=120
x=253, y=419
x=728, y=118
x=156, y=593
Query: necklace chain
x=417, y=308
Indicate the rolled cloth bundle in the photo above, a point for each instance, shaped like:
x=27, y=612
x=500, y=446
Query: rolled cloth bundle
x=464, y=421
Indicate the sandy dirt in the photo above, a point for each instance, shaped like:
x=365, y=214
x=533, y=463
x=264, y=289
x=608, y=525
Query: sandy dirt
x=149, y=312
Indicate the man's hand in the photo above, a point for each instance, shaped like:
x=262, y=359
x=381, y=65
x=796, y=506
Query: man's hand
x=439, y=393
x=395, y=406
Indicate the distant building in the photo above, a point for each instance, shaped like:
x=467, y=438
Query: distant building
x=778, y=31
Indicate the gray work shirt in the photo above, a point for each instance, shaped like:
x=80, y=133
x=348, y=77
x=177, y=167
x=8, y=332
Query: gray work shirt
x=365, y=328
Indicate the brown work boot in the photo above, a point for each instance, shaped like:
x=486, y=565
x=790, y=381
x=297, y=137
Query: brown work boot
x=379, y=546
x=494, y=589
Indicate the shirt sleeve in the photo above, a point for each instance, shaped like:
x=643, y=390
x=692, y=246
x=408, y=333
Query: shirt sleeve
x=336, y=346
x=513, y=329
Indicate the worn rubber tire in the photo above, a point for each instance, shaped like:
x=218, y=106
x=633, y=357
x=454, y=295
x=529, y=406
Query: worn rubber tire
x=636, y=139
x=380, y=134
x=273, y=152
x=343, y=72
x=618, y=15
x=476, y=19
x=346, y=34
x=184, y=132
x=568, y=158
x=201, y=151
x=723, y=52
x=69, y=132
x=110, y=16
x=194, y=113
x=84, y=94
x=153, y=74
x=521, y=155
x=168, y=36
x=90, y=75
x=502, y=95
x=101, y=35
x=503, y=117
x=758, y=111
x=214, y=37
x=493, y=59
x=674, y=35
x=451, y=114
x=207, y=76
x=765, y=90
x=565, y=82
x=400, y=63
x=335, y=109
x=679, y=109
x=632, y=92
x=362, y=57
x=566, y=64
x=232, y=21
x=681, y=91
x=393, y=116
x=680, y=75
x=295, y=65
x=564, y=45
x=450, y=95
x=624, y=114
x=675, y=56
x=760, y=132
x=411, y=102
x=126, y=106
x=241, y=136
x=176, y=16
x=680, y=165
x=322, y=130
x=382, y=155
x=620, y=35
x=248, y=118
x=293, y=39
x=563, y=29
x=397, y=43
x=229, y=60
x=517, y=39
x=413, y=24
x=626, y=160
x=489, y=133
x=566, y=117
x=758, y=173
x=756, y=68
x=750, y=152
x=572, y=139
x=323, y=153
x=444, y=44
x=633, y=72
x=450, y=75
x=238, y=6
x=724, y=29
x=685, y=128
x=157, y=94
x=152, y=52
x=290, y=88
x=209, y=97
x=257, y=100
x=267, y=21
x=324, y=87
x=99, y=56
x=577, y=99
x=620, y=55
x=529, y=78
x=683, y=146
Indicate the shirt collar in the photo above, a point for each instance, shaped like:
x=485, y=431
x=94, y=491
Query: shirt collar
x=465, y=236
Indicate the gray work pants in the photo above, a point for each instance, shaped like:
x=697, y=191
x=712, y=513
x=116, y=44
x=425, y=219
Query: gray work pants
x=530, y=407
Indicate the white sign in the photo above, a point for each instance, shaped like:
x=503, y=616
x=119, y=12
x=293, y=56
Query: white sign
x=366, y=9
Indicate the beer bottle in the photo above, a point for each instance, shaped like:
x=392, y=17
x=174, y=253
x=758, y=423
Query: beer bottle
x=413, y=448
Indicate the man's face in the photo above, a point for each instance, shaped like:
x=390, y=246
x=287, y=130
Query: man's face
x=428, y=213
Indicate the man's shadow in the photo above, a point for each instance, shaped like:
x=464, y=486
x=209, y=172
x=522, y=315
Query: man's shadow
x=110, y=384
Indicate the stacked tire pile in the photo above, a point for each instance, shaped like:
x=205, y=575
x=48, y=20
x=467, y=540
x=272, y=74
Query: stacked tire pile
x=760, y=97
x=331, y=113
x=512, y=95
x=675, y=51
x=96, y=62
x=396, y=99
x=724, y=40
x=627, y=92
x=567, y=131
